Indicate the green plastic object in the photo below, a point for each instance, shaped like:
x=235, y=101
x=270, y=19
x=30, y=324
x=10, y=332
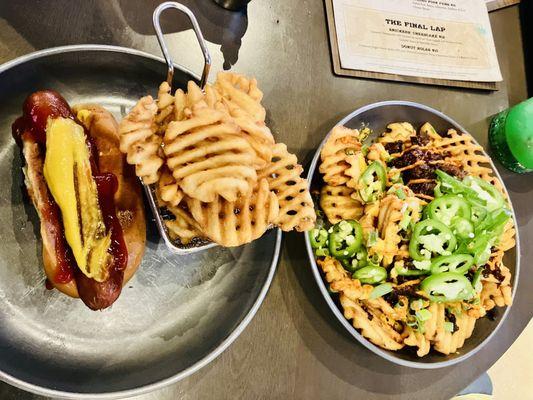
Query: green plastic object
x=511, y=137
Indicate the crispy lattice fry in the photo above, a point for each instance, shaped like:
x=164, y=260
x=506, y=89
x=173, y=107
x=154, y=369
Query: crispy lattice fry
x=493, y=294
x=138, y=140
x=393, y=314
x=398, y=132
x=356, y=167
x=183, y=228
x=375, y=318
x=377, y=152
x=180, y=103
x=340, y=145
x=241, y=95
x=469, y=155
x=165, y=108
x=371, y=325
x=369, y=219
x=210, y=160
x=168, y=189
x=337, y=204
x=429, y=132
x=333, y=269
x=417, y=339
x=259, y=137
x=340, y=281
x=236, y=223
x=202, y=117
x=392, y=212
x=296, y=209
x=448, y=342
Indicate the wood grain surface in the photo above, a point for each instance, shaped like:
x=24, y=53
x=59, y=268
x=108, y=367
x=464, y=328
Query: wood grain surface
x=294, y=348
x=497, y=4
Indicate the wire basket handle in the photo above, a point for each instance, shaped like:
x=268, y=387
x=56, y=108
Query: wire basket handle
x=201, y=41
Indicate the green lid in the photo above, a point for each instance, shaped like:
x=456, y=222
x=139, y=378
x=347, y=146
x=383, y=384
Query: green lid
x=519, y=132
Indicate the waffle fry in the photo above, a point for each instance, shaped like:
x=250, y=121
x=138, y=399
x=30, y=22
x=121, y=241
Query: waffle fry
x=138, y=140
x=259, y=137
x=236, y=223
x=369, y=219
x=377, y=152
x=168, y=189
x=341, y=144
x=448, y=342
x=337, y=204
x=371, y=326
x=469, y=155
x=165, y=108
x=241, y=95
x=296, y=210
x=211, y=160
x=493, y=295
x=391, y=211
x=340, y=281
x=183, y=228
x=398, y=132
x=332, y=269
x=417, y=339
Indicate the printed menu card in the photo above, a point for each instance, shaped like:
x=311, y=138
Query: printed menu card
x=442, y=39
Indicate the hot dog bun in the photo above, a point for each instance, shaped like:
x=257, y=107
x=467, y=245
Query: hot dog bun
x=103, y=129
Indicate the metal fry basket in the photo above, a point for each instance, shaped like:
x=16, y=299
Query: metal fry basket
x=159, y=213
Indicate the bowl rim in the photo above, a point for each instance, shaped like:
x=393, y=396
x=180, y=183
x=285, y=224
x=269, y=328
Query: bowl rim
x=222, y=346
x=388, y=354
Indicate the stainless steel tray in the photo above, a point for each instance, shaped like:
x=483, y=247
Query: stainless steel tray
x=178, y=312
x=377, y=116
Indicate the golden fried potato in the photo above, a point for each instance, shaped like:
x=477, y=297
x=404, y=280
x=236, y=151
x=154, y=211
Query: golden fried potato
x=296, y=209
x=341, y=144
x=168, y=189
x=372, y=327
x=398, y=132
x=210, y=161
x=165, y=108
x=183, y=228
x=138, y=140
x=337, y=204
x=236, y=223
x=241, y=95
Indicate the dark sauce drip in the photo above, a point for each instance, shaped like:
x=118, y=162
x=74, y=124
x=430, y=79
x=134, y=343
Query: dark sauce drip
x=37, y=108
x=64, y=256
x=54, y=221
x=107, y=186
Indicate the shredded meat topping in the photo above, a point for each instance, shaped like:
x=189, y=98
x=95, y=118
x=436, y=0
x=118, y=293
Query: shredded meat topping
x=394, y=147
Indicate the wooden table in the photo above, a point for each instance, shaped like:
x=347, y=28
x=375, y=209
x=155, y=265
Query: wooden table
x=294, y=348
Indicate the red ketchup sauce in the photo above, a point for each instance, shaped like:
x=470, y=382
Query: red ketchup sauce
x=37, y=108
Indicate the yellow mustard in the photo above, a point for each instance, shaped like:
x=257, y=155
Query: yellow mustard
x=67, y=171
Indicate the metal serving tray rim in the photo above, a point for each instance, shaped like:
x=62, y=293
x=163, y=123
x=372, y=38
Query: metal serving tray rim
x=227, y=341
x=389, y=355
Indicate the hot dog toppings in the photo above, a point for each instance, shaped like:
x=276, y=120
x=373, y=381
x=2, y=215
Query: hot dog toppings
x=80, y=210
x=67, y=170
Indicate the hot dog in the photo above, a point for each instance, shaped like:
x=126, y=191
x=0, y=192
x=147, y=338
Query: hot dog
x=87, y=197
